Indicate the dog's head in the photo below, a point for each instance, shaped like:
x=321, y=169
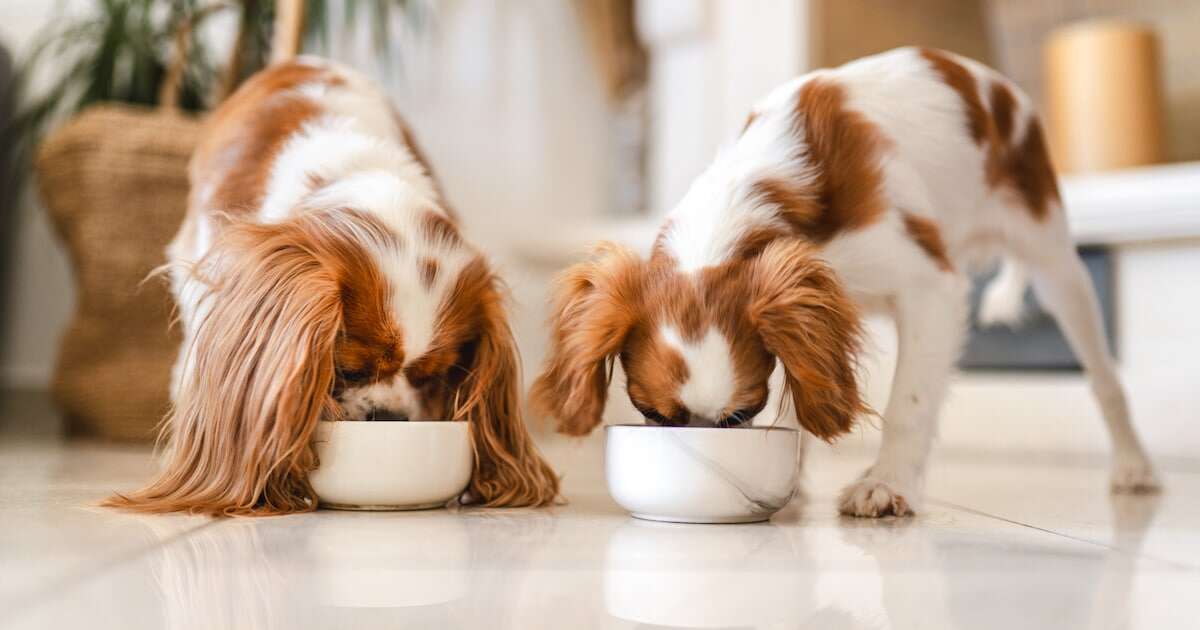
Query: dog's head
x=334, y=314
x=698, y=347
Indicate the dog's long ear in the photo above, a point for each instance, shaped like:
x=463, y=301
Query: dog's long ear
x=808, y=322
x=595, y=306
x=257, y=378
x=509, y=470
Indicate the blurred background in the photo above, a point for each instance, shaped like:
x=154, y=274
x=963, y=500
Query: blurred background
x=556, y=123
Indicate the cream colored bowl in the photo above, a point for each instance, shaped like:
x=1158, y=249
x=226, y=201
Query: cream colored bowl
x=701, y=474
x=391, y=465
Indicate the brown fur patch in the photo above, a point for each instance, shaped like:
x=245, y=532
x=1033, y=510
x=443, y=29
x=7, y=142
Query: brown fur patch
x=753, y=241
x=655, y=373
x=925, y=233
x=429, y=272
x=1033, y=173
x=1021, y=165
x=436, y=227
x=370, y=347
x=845, y=149
x=962, y=81
x=244, y=135
x=1004, y=106
x=797, y=200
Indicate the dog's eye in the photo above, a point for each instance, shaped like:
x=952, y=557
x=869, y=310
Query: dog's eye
x=353, y=376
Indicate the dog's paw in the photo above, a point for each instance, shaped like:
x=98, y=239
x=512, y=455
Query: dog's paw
x=873, y=498
x=1134, y=475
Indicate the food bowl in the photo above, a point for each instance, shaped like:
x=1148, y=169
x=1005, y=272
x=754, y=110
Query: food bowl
x=701, y=474
x=391, y=465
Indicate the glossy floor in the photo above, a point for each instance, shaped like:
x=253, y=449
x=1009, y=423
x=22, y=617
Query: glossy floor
x=1002, y=544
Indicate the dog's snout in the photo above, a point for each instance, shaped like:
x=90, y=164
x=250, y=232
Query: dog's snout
x=681, y=420
x=730, y=422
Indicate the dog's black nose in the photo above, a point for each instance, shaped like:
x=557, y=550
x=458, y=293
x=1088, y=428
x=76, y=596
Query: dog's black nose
x=386, y=415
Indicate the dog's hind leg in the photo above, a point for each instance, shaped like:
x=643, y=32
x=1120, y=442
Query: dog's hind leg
x=1063, y=287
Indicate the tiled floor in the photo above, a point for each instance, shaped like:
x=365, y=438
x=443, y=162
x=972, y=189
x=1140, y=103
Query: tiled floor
x=1003, y=544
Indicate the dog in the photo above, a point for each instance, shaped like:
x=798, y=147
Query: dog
x=871, y=187
x=320, y=274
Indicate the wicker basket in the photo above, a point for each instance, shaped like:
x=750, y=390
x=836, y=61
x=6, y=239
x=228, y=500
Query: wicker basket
x=114, y=180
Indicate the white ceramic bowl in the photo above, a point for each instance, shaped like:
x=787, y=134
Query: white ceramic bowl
x=391, y=465
x=701, y=474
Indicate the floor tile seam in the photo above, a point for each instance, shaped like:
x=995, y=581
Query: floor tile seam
x=1175, y=564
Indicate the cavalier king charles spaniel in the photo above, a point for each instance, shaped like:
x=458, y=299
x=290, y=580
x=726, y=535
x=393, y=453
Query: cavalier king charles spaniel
x=870, y=187
x=320, y=274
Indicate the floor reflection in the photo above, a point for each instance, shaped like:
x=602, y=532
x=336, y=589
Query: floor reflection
x=712, y=576
x=937, y=577
x=533, y=569
x=360, y=560
x=219, y=577
x=338, y=569
x=1132, y=517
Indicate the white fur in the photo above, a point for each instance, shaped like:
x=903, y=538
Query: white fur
x=704, y=229
x=934, y=169
x=710, y=385
x=356, y=146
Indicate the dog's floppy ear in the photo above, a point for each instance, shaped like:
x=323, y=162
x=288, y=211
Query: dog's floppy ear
x=595, y=306
x=806, y=320
x=257, y=377
x=509, y=470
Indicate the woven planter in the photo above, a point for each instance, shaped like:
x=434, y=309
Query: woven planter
x=114, y=181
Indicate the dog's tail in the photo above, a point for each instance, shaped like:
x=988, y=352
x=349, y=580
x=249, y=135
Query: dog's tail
x=1003, y=299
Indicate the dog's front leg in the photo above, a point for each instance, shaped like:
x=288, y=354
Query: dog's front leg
x=930, y=327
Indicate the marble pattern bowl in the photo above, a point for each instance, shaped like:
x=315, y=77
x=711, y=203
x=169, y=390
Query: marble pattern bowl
x=391, y=465
x=701, y=474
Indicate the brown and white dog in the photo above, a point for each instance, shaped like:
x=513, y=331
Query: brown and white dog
x=873, y=186
x=320, y=274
